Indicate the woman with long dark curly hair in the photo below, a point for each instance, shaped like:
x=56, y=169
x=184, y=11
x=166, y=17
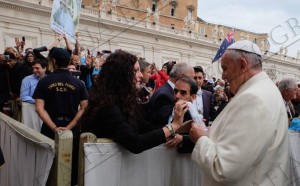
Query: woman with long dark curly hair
x=28, y=60
x=113, y=111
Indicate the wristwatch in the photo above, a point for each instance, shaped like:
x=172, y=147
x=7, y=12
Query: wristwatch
x=169, y=126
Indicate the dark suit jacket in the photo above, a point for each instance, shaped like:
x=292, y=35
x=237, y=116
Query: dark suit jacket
x=4, y=87
x=209, y=111
x=16, y=75
x=161, y=105
x=208, y=106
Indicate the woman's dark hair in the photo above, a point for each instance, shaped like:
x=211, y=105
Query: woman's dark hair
x=169, y=66
x=115, y=86
x=26, y=56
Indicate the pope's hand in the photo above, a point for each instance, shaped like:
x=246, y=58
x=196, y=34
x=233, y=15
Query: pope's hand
x=197, y=132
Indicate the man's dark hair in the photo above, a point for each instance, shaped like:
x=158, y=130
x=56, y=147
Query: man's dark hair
x=169, y=66
x=198, y=69
x=43, y=63
x=61, y=56
x=191, y=82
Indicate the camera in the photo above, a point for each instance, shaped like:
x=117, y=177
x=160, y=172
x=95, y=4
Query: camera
x=144, y=92
x=76, y=74
x=143, y=95
x=6, y=57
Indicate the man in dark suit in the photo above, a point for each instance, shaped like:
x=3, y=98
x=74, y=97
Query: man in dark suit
x=204, y=104
x=16, y=73
x=205, y=99
x=4, y=87
x=185, y=89
x=161, y=104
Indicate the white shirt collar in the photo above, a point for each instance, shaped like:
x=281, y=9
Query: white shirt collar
x=171, y=84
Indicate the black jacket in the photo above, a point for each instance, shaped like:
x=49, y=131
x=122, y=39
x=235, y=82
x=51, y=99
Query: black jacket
x=135, y=136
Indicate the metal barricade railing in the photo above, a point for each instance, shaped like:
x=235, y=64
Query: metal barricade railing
x=104, y=162
x=32, y=159
x=84, y=138
x=28, y=154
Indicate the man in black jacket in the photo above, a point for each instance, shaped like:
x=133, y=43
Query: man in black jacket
x=57, y=98
x=161, y=104
x=4, y=88
x=16, y=72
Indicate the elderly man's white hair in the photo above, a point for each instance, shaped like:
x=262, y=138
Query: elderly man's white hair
x=286, y=83
x=179, y=69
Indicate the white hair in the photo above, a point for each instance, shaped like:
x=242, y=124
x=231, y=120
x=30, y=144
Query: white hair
x=286, y=83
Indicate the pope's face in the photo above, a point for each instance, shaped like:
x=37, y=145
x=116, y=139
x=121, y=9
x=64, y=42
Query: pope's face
x=231, y=72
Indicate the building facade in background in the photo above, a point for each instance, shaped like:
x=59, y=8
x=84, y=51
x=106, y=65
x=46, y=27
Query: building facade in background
x=159, y=30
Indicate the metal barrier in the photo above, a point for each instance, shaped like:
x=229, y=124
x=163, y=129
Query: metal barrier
x=107, y=163
x=84, y=138
x=29, y=156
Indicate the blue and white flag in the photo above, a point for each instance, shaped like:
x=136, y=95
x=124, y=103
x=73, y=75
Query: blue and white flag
x=229, y=39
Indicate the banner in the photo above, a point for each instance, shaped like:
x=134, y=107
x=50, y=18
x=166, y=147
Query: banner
x=65, y=17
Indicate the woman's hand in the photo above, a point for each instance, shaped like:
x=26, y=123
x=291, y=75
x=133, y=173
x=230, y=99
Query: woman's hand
x=173, y=142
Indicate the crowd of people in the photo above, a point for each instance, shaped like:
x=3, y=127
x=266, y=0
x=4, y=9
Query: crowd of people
x=119, y=96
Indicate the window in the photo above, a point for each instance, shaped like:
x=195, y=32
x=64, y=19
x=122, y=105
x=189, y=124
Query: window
x=255, y=40
x=172, y=10
x=202, y=31
x=190, y=14
x=154, y=5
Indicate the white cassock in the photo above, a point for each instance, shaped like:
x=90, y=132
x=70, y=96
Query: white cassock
x=248, y=143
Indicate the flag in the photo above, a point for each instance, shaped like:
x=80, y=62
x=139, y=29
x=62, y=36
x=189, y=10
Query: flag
x=229, y=39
